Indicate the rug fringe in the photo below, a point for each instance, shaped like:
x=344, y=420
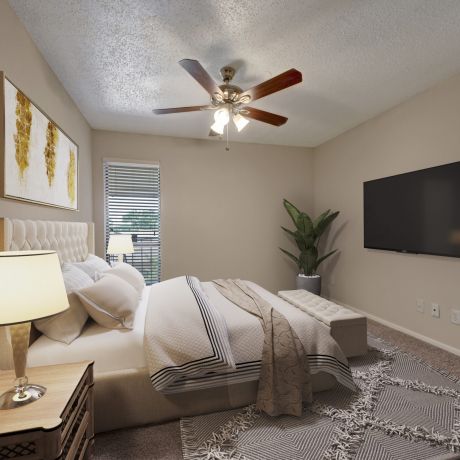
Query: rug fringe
x=188, y=437
x=221, y=444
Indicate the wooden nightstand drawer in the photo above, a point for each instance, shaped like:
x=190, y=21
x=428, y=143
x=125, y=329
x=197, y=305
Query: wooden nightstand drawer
x=78, y=437
x=58, y=426
x=80, y=403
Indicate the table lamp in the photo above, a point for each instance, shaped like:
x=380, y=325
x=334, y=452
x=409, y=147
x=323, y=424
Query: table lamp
x=120, y=245
x=31, y=287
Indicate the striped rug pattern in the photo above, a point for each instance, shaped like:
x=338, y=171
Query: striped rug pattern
x=405, y=409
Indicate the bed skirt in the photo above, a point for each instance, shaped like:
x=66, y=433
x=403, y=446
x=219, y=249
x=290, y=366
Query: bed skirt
x=126, y=398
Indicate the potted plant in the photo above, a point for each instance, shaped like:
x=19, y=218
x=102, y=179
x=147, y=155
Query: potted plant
x=307, y=235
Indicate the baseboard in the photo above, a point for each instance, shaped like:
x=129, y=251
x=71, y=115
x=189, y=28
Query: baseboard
x=414, y=334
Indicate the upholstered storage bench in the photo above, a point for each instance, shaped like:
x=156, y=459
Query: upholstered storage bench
x=348, y=328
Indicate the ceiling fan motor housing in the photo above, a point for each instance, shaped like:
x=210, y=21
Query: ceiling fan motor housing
x=231, y=94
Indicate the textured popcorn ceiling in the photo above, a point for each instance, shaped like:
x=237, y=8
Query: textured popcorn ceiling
x=118, y=58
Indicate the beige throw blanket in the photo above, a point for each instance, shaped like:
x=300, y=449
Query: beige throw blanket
x=285, y=379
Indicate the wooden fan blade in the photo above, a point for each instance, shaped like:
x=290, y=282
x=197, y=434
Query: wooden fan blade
x=261, y=115
x=197, y=71
x=275, y=84
x=193, y=108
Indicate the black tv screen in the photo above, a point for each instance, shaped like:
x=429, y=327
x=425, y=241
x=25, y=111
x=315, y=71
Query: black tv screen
x=416, y=212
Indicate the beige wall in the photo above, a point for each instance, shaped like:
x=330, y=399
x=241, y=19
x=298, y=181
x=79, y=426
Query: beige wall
x=24, y=65
x=423, y=132
x=221, y=211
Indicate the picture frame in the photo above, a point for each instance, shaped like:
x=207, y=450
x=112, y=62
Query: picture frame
x=38, y=160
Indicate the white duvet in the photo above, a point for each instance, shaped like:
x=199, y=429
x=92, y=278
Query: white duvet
x=195, y=338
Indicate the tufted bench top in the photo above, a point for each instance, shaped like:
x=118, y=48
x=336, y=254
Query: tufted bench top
x=322, y=309
x=348, y=328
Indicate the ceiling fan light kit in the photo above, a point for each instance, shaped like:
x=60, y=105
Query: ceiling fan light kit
x=222, y=118
x=230, y=101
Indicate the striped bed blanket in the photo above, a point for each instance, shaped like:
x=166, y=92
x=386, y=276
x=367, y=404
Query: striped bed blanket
x=195, y=338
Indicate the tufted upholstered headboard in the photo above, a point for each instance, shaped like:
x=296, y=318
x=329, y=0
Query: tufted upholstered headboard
x=71, y=240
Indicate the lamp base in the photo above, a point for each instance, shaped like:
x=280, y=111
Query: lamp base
x=14, y=398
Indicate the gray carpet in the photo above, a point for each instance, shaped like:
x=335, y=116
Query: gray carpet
x=163, y=442
x=398, y=397
x=154, y=442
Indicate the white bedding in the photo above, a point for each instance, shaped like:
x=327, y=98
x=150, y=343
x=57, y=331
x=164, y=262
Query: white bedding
x=195, y=338
x=110, y=349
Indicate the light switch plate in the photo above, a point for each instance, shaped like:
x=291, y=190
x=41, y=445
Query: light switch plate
x=420, y=305
x=455, y=316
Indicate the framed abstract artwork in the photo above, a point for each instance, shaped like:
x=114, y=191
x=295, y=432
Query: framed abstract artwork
x=39, y=162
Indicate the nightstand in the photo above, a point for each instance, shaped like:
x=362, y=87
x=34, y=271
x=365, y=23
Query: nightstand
x=57, y=426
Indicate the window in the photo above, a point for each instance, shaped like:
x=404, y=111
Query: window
x=132, y=206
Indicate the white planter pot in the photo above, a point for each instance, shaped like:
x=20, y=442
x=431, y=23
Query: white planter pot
x=309, y=283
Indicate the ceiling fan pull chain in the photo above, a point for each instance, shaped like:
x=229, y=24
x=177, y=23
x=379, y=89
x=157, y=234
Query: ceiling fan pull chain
x=227, y=148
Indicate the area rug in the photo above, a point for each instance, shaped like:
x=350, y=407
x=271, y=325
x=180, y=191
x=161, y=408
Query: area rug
x=405, y=409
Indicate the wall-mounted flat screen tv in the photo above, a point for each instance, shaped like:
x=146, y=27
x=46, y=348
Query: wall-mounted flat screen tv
x=416, y=212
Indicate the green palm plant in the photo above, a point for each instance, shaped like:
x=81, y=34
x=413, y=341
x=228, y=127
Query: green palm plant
x=307, y=235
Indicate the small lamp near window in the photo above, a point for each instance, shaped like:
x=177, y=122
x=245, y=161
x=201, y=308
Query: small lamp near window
x=120, y=245
x=31, y=287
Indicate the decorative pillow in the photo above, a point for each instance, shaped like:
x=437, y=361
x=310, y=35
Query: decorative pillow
x=67, y=326
x=92, y=266
x=128, y=273
x=111, y=302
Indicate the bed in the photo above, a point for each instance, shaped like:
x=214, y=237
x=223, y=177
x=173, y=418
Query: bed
x=124, y=395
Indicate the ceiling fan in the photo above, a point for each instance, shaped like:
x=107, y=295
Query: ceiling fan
x=230, y=101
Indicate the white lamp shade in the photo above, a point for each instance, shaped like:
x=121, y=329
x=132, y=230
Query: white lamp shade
x=240, y=122
x=218, y=128
x=221, y=119
x=222, y=116
x=31, y=286
x=120, y=244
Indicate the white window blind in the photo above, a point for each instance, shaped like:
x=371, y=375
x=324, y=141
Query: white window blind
x=132, y=206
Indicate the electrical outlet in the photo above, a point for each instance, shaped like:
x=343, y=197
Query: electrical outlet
x=455, y=316
x=420, y=305
x=435, y=310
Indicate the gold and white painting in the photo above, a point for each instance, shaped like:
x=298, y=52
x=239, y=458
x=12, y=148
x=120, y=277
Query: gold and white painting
x=40, y=161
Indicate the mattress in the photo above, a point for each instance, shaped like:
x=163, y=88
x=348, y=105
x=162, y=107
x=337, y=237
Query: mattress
x=110, y=349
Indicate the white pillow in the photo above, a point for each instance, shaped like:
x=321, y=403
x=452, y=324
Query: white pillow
x=128, y=273
x=111, y=302
x=92, y=266
x=67, y=326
